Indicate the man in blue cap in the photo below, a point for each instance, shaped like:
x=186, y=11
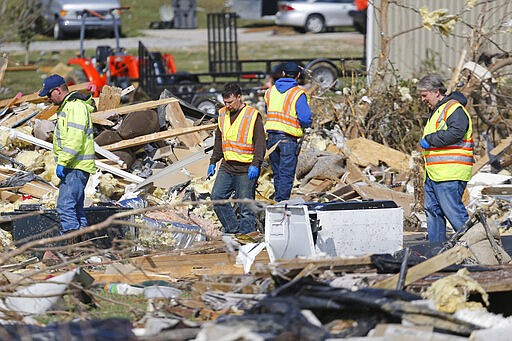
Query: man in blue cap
x=288, y=113
x=73, y=146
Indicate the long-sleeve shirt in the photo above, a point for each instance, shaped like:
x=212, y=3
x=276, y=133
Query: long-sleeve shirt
x=457, y=124
x=235, y=167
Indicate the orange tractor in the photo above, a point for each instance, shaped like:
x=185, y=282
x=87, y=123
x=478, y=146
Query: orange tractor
x=110, y=66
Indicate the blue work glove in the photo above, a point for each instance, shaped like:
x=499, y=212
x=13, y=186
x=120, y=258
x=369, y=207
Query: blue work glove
x=60, y=171
x=211, y=170
x=253, y=172
x=424, y=144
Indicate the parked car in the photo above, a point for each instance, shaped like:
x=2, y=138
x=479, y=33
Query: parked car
x=64, y=17
x=314, y=15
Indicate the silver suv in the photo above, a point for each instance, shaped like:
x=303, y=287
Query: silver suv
x=314, y=15
x=64, y=17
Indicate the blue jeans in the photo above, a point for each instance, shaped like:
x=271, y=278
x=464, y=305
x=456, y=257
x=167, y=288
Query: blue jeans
x=443, y=200
x=70, y=204
x=241, y=188
x=283, y=162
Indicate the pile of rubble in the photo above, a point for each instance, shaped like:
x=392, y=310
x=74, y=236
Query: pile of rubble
x=154, y=236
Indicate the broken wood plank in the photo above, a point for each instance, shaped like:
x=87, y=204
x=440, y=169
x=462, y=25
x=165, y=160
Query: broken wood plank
x=131, y=108
x=365, y=152
x=35, y=188
x=145, y=139
x=22, y=68
x=431, y=265
x=500, y=148
x=497, y=190
x=34, y=98
x=178, y=120
x=38, y=142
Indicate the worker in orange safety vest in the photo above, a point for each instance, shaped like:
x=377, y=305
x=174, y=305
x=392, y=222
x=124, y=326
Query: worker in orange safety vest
x=240, y=144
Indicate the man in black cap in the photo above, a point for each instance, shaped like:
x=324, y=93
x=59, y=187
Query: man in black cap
x=73, y=146
x=287, y=114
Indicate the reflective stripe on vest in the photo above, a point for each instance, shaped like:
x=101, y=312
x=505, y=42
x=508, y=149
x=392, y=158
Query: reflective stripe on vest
x=281, y=112
x=453, y=162
x=237, y=142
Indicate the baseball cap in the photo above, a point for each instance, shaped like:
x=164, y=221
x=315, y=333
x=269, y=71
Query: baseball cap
x=291, y=68
x=51, y=82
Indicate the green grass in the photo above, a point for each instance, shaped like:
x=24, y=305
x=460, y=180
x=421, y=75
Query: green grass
x=193, y=59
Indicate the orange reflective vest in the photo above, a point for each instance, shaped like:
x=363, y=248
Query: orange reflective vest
x=453, y=162
x=281, y=113
x=237, y=143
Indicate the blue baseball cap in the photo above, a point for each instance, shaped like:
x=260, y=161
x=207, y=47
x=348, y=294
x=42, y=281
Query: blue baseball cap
x=50, y=83
x=291, y=68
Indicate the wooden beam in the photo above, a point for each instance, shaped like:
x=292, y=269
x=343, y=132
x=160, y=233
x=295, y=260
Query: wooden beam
x=38, y=142
x=178, y=120
x=452, y=256
x=34, y=98
x=131, y=108
x=141, y=140
x=504, y=145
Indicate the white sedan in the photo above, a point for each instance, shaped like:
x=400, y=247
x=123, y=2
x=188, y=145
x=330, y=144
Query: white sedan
x=314, y=15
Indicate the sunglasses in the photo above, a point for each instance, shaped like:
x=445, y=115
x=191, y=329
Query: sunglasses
x=50, y=92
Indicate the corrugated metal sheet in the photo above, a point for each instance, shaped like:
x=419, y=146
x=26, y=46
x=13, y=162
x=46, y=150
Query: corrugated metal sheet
x=410, y=50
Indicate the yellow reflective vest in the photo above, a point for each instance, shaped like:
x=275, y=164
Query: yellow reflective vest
x=73, y=140
x=281, y=112
x=453, y=162
x=237, y=143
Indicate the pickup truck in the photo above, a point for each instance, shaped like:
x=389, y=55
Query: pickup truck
x=64, y=17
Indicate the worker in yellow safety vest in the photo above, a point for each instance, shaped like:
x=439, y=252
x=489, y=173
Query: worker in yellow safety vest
x=73, y=146
x=288, y=113
x=240, y=144
x=447, y=144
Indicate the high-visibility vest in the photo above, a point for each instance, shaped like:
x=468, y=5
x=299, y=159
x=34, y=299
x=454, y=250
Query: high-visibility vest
x=73, y=140
x=237, y=143
x=453, y=162
x=281, y=113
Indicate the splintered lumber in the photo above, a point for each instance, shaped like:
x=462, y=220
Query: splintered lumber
x=35, y=188
x=178, y=120
x=140, y=140
x=38, y=142
x=296, y=266
x=500, y=148
x=494, y=278
x=104, y=115
x=34, y=98
x=365, y=152
x=452, y=256
x=110, y=98
x=169, y=267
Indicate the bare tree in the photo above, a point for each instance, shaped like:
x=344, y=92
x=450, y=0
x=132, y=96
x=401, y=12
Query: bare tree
x=21, y=18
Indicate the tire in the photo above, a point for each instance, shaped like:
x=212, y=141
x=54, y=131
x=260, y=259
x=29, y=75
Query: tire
x=322, y=72
x=58, y=34
x=206, y=104
x=315, y=23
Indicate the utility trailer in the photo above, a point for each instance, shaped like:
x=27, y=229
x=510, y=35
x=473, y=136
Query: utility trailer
x=225, y=65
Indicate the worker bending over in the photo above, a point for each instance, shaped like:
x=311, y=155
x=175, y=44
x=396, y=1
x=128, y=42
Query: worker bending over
x=448, y=154
x=73, y=146
x=287, y=114
x=240, y=143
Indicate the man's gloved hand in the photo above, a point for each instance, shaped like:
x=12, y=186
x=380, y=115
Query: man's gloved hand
x=211, y=170
x=60, y=171
x=424, y=144
x=253, y=172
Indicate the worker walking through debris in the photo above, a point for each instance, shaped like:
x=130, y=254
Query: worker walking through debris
x=240, y=143
x=288, y=113
x=448, y=154
x=73, y=146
